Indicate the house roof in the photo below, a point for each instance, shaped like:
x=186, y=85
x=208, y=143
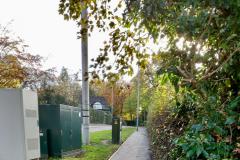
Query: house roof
x=99, y=99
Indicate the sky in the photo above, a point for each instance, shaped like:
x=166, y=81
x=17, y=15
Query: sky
x=38, y=23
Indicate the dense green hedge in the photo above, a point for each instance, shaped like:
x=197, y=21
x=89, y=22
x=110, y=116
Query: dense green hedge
x=163, y=129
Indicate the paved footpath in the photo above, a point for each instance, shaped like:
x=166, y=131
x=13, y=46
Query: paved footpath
x=136, y=147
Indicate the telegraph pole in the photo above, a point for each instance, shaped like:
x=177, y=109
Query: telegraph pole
x=138, y=96
x=85, y=77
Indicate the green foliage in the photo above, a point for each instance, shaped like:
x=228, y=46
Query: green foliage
x=130, y=103
x=209, y=93
x=208, y=139
x=123, y=43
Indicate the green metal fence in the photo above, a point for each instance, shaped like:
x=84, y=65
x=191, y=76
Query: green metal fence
x=100, y=117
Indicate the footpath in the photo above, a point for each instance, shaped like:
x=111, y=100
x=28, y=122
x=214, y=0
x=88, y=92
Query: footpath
x=136, y=147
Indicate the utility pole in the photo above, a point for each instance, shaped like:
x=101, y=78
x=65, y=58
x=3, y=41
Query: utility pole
x=138, y=96
x=85, y=77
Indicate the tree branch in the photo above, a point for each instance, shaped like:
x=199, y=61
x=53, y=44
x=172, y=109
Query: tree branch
x=182, y=72
x=220, y=66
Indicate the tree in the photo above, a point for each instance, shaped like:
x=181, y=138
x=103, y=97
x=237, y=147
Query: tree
x=121, y=90
x=18, y=68
x=64, y=89
x=123, y=43
x=130, y=105
x=154, y=97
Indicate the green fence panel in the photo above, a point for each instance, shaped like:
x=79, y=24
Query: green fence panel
x=100, y=116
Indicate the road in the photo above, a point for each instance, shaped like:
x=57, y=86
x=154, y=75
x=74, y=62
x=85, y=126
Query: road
x=99, y=127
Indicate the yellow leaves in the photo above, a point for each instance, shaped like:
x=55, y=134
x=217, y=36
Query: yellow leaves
x=18, y=68
x=11, y=72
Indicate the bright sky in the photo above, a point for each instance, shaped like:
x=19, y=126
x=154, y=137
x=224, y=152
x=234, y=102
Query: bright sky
x=47, y=34
x=38, y=23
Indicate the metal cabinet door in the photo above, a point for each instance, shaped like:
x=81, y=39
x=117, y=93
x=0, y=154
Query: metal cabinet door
x=66, y=129
x=76, y=129
x=31, y=125
x=43, y=143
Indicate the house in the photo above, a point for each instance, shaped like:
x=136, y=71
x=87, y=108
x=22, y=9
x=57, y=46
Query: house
x=99, y=103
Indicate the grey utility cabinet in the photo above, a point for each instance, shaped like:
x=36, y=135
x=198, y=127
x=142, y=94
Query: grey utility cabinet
x=19, y=136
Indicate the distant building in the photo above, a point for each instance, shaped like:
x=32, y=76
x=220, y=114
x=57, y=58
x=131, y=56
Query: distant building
x=99, y=103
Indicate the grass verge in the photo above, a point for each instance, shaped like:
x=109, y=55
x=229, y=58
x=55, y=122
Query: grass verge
x=100, y=147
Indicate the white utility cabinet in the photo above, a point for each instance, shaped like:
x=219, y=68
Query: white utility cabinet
x=19, y=130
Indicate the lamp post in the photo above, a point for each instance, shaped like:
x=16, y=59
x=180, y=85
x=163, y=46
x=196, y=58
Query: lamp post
x=138, y=96
x=112, y=99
